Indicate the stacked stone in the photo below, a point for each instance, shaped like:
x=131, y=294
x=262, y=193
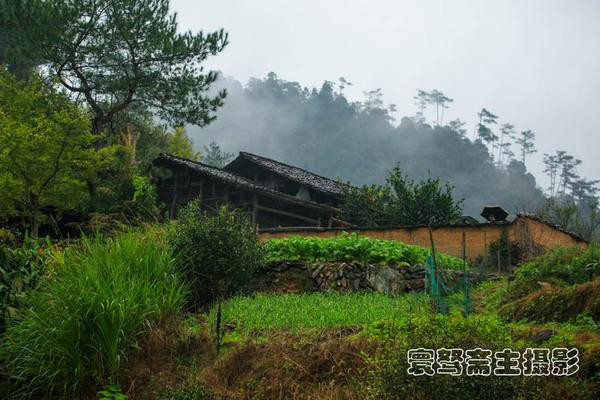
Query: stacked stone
x=344, y=276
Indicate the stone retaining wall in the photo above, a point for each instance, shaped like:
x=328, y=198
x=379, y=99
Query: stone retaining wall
x=339, y=276
x=298, y=277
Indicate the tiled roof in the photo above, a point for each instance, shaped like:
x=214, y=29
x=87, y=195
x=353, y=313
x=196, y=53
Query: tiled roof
x=234, y=179
x=296, y=174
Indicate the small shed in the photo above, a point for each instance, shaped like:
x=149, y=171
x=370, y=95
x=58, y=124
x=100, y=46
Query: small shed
x=494, y=214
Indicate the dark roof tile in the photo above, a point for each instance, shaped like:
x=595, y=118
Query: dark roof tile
x=296, y=174
x=234, y=179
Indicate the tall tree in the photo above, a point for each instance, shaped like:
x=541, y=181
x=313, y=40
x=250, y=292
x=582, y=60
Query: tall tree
x=568, y=170
x=506, y=131
x=584, y=190
x=180, y=145
x=458, y=126
x=45, y=155
x=440, y=101
x=422, y=98
x=484, y=132
x=116, y=53
x=551, y=168
x=213, y=155
x=526, y=141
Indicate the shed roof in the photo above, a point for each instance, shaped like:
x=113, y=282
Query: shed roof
x=291, y=172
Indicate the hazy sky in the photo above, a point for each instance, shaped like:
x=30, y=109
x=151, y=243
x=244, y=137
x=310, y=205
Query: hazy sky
x=536, y=64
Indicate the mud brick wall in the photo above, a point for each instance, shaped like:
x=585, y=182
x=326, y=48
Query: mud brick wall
x=448, y=239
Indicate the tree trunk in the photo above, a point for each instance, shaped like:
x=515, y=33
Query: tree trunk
x=34, y=220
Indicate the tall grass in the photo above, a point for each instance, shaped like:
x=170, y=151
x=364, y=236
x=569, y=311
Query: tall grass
x=316, y=311
x=90, y=314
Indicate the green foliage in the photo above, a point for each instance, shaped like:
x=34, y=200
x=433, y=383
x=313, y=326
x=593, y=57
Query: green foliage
x=144, y=202
x=401, y=202
x=21, y=269
x=213, y=155
x=352, y=247
x=387, y=376
x=45, y=155
x=556, y=304
x=89, y=315
x=568, y=264
x=120, y=53
x=261, y=312
x=217, y=254
x=179, y=144
x=20, y=56
x=194, y=392
x=560, y=267
x=504, y=253
x=111, y=392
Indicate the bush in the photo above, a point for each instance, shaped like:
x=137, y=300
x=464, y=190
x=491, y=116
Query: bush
x=401, y=202
x=89, y=314
x=562, y=266
x=21, y=269
x=557, y=304
x=144, y=203
x=504, y=253
x=568, y=264
x=217, y=254
x=351, y=247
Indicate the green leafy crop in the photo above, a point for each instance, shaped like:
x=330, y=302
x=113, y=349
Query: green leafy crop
x=352, y=247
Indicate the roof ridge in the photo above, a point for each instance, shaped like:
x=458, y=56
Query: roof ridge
x=194, y=161
x=333, y=181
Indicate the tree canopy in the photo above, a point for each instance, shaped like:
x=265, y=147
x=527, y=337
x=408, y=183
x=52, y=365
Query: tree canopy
x=401, y=202
x=321, y=130
x=118, y=53
x=45, y=157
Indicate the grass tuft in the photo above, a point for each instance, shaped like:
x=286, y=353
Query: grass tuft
x=89, y=315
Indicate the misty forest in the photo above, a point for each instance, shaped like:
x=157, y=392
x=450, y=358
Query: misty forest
x=170, y=232
x=360, y=142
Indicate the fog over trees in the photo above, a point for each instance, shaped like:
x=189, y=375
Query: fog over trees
x=321, y=130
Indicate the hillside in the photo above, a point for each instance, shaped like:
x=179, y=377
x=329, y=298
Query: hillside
x=320, y=130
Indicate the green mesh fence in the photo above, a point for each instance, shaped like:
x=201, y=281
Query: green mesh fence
x=440, y=291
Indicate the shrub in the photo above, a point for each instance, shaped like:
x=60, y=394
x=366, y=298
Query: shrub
x=144, y=203
x=504, y=253
x=351, y=247
x=561, y=266
x=89, y=314
x=557, y=304
x=568, y=264
x=217, y=254
x=401, y=202
x=20, y=271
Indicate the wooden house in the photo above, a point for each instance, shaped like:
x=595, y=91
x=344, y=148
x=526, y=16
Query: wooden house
x=270, y=199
